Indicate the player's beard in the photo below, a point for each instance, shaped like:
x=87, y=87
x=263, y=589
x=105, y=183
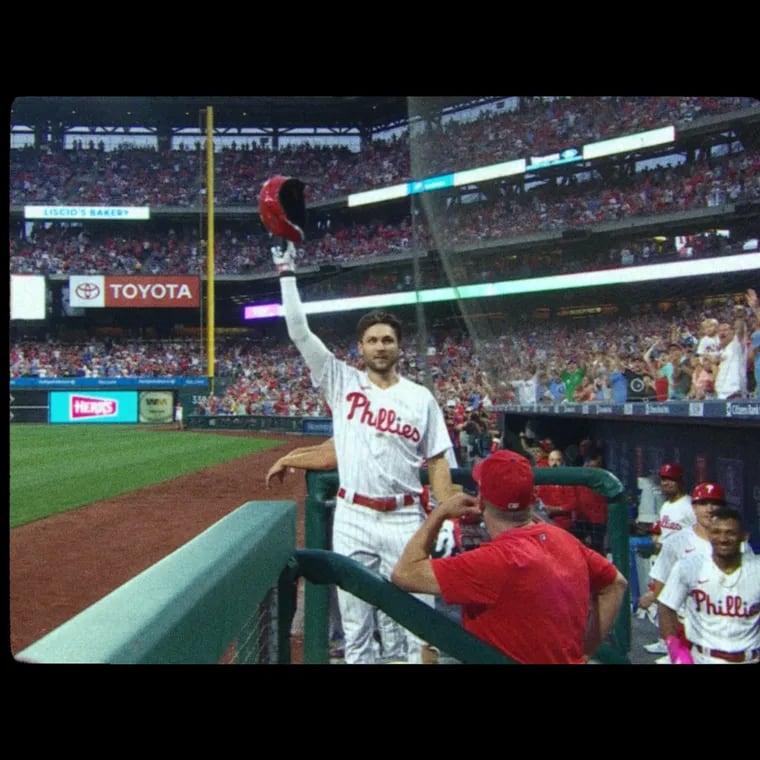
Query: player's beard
x=727, y=551
x=382, y=365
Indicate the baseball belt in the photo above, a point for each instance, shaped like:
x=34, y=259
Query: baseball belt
x=380, y=505
x=749, y=654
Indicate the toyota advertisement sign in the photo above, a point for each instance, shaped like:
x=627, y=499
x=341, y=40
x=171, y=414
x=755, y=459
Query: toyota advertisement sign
x=134, y=291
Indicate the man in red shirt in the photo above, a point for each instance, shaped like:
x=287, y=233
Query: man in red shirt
x=590, y=516
x=560, y=501
x=533, y=591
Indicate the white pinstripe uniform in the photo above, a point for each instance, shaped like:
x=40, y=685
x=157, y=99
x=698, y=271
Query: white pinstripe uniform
x=382, y=436
x=682, y=545
x=675, y=516
x=721, y=611
x=679, y=545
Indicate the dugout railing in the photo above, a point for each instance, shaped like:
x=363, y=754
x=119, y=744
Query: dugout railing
x=229, y=596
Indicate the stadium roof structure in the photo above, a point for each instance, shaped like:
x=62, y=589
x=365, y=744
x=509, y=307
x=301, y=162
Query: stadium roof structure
x=365, y=113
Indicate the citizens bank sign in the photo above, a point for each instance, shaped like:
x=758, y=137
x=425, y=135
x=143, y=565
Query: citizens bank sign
x=134, y=291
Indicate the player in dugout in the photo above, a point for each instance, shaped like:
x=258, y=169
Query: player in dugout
x=719, y=595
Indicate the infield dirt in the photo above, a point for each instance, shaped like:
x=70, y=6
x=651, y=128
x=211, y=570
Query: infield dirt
x=61, y=565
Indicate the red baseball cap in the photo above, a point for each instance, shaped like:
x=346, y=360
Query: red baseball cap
x=671, y=471
x=505, y=479
x=711, y=492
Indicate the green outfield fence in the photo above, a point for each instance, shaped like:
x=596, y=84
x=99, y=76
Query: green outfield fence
x=229, y=595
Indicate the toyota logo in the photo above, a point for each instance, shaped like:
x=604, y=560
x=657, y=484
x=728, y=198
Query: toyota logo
x=87, y=291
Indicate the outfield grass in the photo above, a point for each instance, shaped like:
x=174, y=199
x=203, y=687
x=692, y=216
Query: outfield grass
x=54, y=468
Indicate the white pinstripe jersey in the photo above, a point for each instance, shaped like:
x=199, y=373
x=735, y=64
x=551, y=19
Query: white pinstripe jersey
x=679, y=546
x=382, y=435
x=682, y=544
x=720, y=611
x=675, y=516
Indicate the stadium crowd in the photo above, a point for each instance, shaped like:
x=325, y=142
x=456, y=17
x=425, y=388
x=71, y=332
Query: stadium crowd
x=64, y=249
x=138, y=176
x=520, y=362
x=696, y=350
x=266, y=374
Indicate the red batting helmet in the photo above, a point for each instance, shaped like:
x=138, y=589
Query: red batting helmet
x=671, y=471
x=708, y=492
x=282, y=207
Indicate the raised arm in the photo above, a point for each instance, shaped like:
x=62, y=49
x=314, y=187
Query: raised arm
x=647, y=356
x=413, y=571
x=740, y=323
x=313, y=350
x=753, y=302
x=439, y=475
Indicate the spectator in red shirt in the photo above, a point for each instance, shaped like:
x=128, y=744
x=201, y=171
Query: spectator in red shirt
x=585, y=392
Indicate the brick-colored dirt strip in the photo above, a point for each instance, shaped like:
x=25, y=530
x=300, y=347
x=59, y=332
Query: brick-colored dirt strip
x=61, y=565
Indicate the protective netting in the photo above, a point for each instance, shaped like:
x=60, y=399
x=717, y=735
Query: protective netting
x=430, y=212
x=577, y=243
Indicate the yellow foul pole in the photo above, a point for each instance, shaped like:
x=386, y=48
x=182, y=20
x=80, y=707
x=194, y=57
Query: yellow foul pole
x=210, y=245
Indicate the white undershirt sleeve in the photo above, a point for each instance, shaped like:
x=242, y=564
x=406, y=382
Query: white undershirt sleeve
x=313, y=350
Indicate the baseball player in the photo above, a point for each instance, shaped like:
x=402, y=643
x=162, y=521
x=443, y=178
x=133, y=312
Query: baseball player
x=384, y=427
x=454, y=536
x=719, y=594
x=676, y=512
x=705, y=499
x=323, y=457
